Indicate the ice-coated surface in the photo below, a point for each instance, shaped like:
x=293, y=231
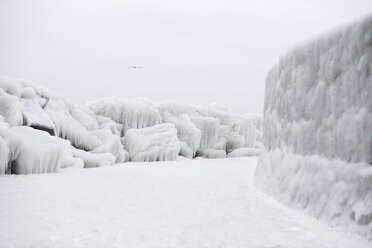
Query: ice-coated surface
x=97, y=130
x=32, y=151
x=173, y=204
x=10, y=108
x=318, y=97
x=156, y=143
x=244, y=152
x=67, y=127
x=186, y=131
x=4, y=156
x=110, y=144
x=220, y=129
x=209, y=128
x=130, y=113
x=92, y=160
x=34, y=115
x=212, y=153
x=317, y=128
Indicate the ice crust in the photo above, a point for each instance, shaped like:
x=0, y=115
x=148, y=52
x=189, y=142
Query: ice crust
x=317, y=128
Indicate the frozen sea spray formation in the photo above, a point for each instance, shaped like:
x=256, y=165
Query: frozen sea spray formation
x=130, y=113
x=94, y=135
x=210, y=131
x=157, y=143
x=83, y=139
x=318, y=128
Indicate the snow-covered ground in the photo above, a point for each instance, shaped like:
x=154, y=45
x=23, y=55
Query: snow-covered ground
x=187, y=203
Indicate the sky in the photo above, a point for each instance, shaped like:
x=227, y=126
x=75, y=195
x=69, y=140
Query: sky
x=194, y=51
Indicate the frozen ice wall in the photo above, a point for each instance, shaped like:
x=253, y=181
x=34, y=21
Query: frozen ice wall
x=318, y=128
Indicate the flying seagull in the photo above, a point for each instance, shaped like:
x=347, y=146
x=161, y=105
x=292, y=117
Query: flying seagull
x=135, y=67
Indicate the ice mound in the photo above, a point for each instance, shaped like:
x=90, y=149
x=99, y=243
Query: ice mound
x=156, y=143
x=187, y=132
x=137, y=113
x=209, y=128
x=110, y=144
x=220, y=129
x=35, y=117
x=92, y=160
x=212, y=153
x=245, y=152
x=317, y=128
x=10, y=109
x=31, y=151
x=95, y=133
x=67, y=127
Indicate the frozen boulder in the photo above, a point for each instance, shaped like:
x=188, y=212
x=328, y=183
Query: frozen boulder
x=130, y=113
x=157, y=143
x=186, y=131
x=212, y=153
x=244, y=152
x=10, y=108
x=69, y=128
x=209, y=128
x=92, y=160
x=31, y=151
x=317, y=128
x=110, y=144
x=35, y=117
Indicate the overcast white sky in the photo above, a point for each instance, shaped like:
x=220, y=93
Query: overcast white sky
x=194, y=51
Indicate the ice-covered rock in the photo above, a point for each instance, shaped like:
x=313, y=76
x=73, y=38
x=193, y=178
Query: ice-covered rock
x=10, y=108
x=209, y=128
x=156, y=143
x=185, y=150
x=212, y=153
x=317, y=128
x=186, y=131
x=234, y=141
x=130, y=113
x=32, y=151
x=244, y=152
x=227, y=128
x=67, y=127
x=92, y=160
x=34, y=116
x=4, y=156
x=110, y=144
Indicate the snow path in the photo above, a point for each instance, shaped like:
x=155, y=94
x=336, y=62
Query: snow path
x=189, y=203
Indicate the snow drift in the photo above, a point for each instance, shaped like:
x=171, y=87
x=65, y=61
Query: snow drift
x=317, y=128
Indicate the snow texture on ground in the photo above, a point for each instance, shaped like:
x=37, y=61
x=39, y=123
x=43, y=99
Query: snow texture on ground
x=188, y=203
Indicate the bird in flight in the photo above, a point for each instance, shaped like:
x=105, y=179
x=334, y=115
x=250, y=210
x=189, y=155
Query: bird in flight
x=135, y=67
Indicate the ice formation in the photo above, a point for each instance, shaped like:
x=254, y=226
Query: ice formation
x=137, y=113
x=245, y=152
x=157, y=143
x=212, y=153
x=92, y=160
x=95, y=135
x=32, y=151
x=317, y=128
x=34, y=116
x=220, y=129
